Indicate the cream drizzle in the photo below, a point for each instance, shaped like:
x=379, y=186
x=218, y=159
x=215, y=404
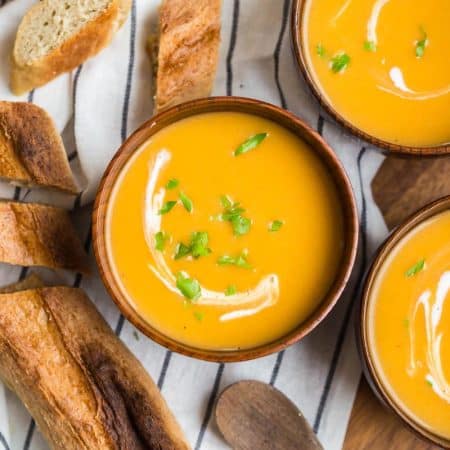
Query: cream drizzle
x=263, y=295
x=432, y=308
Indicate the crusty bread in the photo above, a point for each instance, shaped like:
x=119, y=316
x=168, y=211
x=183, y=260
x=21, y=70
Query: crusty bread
x=84, y=388
x=32, y=281
x=31, y=150
x=56, y=36
x=188, y=48
x=38, y=235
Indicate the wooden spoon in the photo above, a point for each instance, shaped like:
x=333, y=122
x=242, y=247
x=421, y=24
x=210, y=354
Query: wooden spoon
x=253, y=415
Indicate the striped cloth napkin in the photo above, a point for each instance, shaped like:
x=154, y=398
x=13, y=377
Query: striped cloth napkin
x=96, y=107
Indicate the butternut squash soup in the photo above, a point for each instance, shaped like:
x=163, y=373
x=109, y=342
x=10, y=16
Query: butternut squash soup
x=383, y=65
x=224, y=231
x=409, y=324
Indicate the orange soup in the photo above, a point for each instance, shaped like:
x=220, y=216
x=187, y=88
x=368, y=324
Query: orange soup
x=384, y=65
x=225, y=231
x=409, y=324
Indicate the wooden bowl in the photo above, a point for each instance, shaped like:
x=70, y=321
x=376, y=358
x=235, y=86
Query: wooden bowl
x=362, y=319
x=299, y=47
x=243, y=105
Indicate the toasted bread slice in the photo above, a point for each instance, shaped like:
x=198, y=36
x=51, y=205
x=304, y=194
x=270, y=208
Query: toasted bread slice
x=188, y=49
x=38, y=235
x=31, y=150
x=56, y=36
x=84, y=388
x=32, y=281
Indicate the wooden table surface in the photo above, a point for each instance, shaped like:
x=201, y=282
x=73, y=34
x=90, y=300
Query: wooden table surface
x=400, y=188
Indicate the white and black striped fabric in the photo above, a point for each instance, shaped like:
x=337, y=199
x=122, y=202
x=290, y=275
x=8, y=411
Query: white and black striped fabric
x=96, y=107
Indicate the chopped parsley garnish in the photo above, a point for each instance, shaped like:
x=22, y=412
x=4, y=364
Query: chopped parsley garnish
x=421, y=44
x=320, y=50
x=199, y=315
x=172, y=183
x=160, y=240
x=230, y=290
x=233, y=213
x=275, y=225
x=189, y=287
x=340, y=62
x=416, y=268
x=197, y=247
x=430, y=383
x=250, y=143
x=187, y=202
x=238, y=261
x=370, y=46
x=167, y=207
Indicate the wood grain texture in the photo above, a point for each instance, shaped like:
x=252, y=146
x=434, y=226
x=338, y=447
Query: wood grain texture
x=400, y=187
x=253, y=415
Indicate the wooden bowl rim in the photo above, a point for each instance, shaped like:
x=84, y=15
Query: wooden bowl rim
x=427, y=212
x=244, y=105
x=297, y=23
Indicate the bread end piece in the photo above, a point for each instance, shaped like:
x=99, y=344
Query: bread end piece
x=188, y=50
x=32, y=153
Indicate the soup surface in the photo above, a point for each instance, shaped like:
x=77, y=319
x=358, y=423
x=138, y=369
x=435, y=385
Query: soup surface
x=251, y=245
x=409, y=319
x=384, y=65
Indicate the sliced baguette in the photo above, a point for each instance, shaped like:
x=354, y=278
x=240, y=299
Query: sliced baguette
x=188, y=49
x=38, y=235
x=31, y=150
x=84, y=388
x=56, y=36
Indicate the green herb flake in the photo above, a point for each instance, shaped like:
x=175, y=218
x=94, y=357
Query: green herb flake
x=172, y=183
x=416, y=268
x=167, y=207
x=187, y=202
x=340, y=62
x=429, y=382
x=199, y=315
x=241, y=225
x=182, y=250
x=135, y=334
x=199, y=244
x=226, y=201
x=230, y=290
x=238, y=261
x=370, y=46
x=421, y=44
x=250, y=144
x=275, y=225
x=160, y=240
x=320, y=50
x=189, y=287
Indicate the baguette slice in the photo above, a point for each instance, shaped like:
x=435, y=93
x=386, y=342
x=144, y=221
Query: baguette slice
x=31, y=150
x=56, y=36
x=84, y=388
x=188, y=49
x=38, y=235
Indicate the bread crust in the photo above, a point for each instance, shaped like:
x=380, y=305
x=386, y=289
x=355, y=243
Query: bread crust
x=32, y=234
x=188, y=50
x=93, y=37
x=32, y=281
x=32, y=152
x=84, y=388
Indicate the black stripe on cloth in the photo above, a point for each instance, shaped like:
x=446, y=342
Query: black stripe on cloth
x=348, y=312
x=276, y=57
x=320, y=123
x=210, y=406
x=229, y=61
x=165, y=366
x=72, y=156
x=31, y=96
x=126, y=107
x=29, y=435
x=229, y=91
x=3, y=440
